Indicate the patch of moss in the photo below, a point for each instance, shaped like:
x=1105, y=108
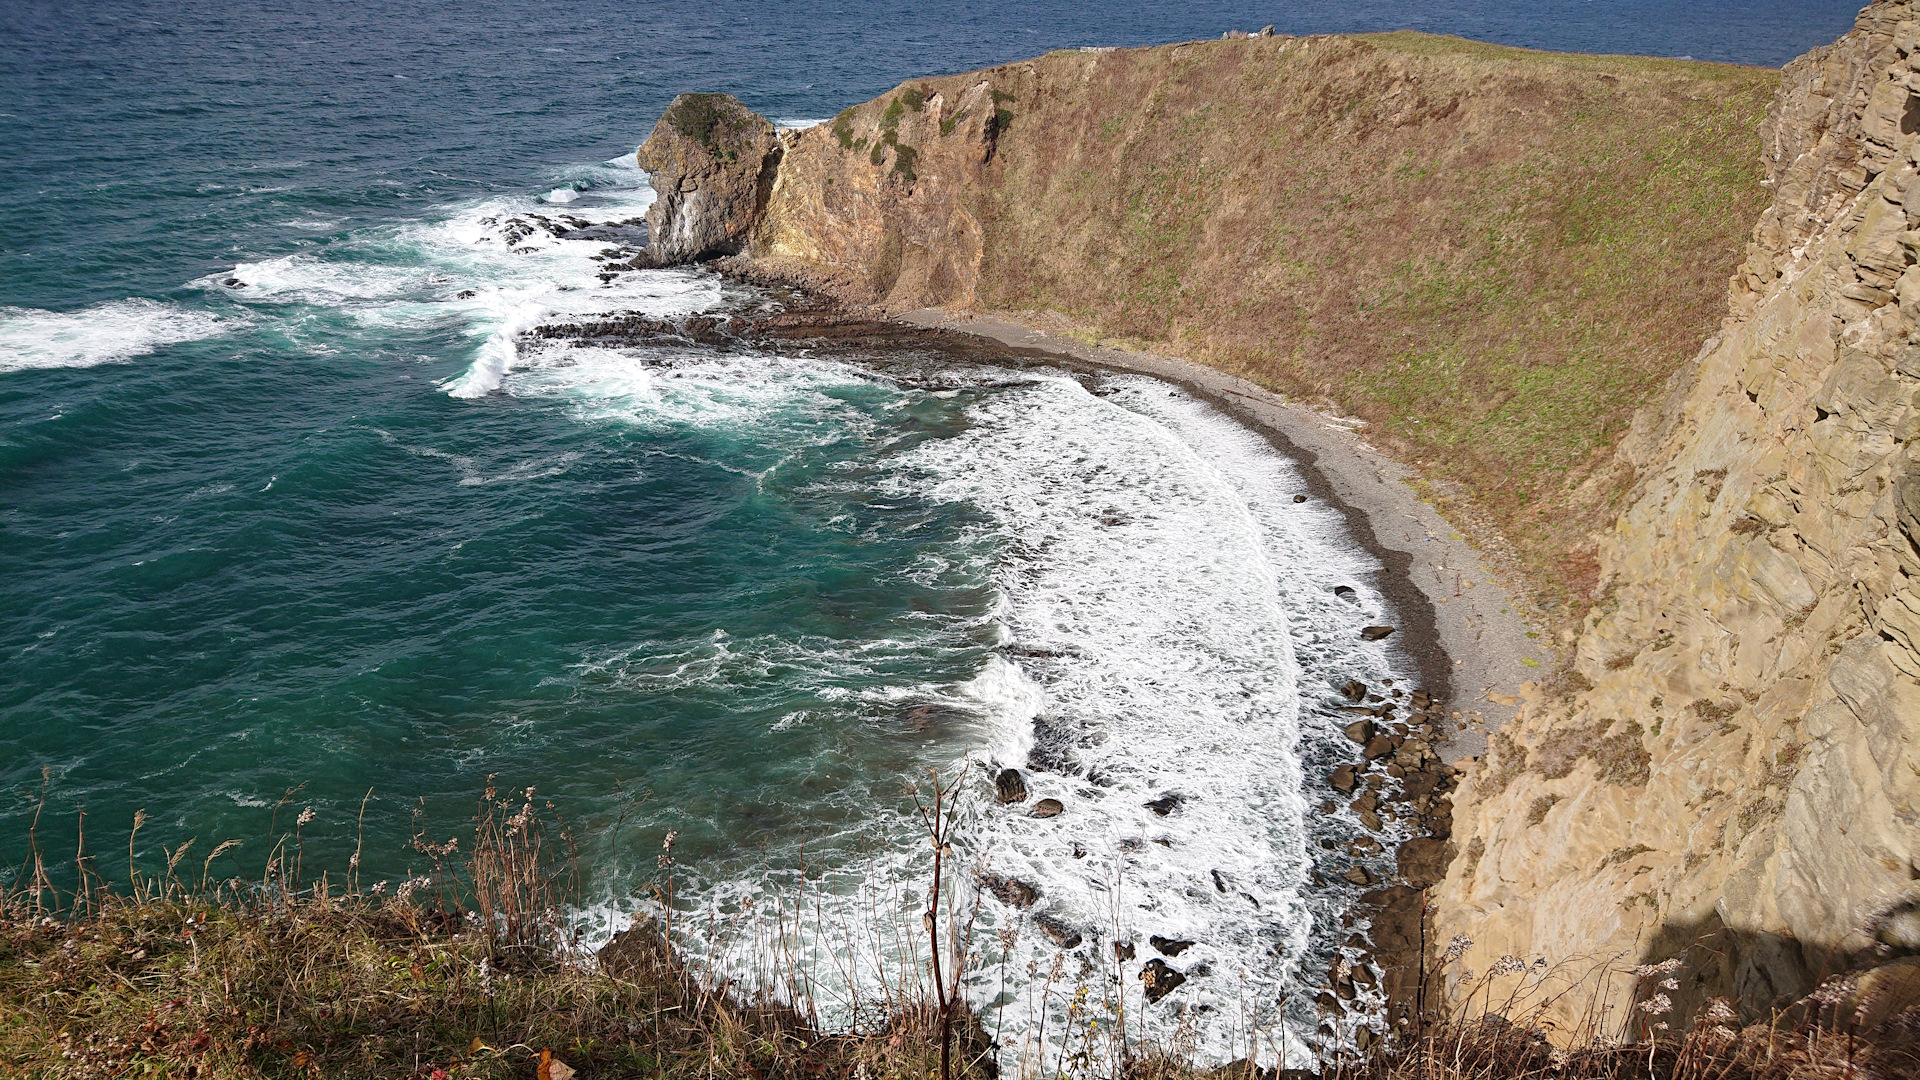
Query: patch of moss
x=843, y=129
x=890, y=120
x=904, y=159
x=1002, y=120
x=697, y=115
x=914, y=97
x=947, y=125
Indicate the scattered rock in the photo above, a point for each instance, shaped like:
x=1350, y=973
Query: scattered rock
x=1062, y=935
x=1219, y=881
x=1169, y=946
x=1299, y=498
x=1123, y=950
x=1375, y=633
x=1372, y=821
x=1343, y=779
x=1011, y=891
x=1047, y=808
x=1355, y=690
x=1358, y=875
x=1378, y=747
x=1362, y=732
x=1347, y=593
x=1166, y=804
x=1010, y=787
x=1160, y=979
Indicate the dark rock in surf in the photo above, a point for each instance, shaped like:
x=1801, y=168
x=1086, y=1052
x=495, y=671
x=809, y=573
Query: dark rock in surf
x=1011, y=891
x=1378, y=747
x=1123, y=950
x=1059, y=932
x=1355, y=690
x=1047, y=808
x=1166, y=804
x=1299, y=498
x=1375, y=633
x=1361, y=731
x=1344, y=779
x=1169, y=946
x=1010, y=787
x=1358, y=875
x=1347, y=593
x=1160, y=980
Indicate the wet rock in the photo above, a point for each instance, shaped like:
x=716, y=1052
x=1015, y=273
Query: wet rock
x=1047, y=808
x=1123, y=950
x=1375, y=633
x=1160, y=980
x=1347, y=593
x=1358, y=875
x=1010, y=787
x=639, y=948
x=1166, y=804
x=1169, y=946
x=1220, y=882
x=1355, y=690
x=1423, y=861
x=1329, y=1004
x=1371, y=820
x=1343, y=779
x=1361, y=731
x=1378, y=747
x=1059, y=932
x=1299, y=498
x=1010, y=891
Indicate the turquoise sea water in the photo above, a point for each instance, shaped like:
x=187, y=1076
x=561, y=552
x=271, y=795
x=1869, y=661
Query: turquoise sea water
x=289, y=500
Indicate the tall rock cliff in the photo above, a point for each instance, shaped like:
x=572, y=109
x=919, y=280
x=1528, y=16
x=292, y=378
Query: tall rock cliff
x=1492, y=255
x=1739, y=784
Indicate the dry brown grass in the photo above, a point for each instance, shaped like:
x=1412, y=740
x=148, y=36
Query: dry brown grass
x=177, y=973
x=1492, y=255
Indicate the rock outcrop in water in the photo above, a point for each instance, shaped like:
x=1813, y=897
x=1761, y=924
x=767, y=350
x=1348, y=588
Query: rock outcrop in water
x=1740, y=785
x=712, y=161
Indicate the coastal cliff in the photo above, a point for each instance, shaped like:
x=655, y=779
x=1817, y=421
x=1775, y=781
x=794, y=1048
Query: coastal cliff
x=1501, y=260
x=1739, y=785
x=1491, y=255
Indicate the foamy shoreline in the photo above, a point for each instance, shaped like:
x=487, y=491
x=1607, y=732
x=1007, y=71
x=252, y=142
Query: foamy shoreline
x=1460, y=625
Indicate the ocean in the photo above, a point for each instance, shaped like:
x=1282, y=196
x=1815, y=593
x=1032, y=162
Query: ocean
x=294, y=514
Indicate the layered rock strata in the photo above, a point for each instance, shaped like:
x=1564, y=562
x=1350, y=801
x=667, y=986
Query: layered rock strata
x=1738, y=785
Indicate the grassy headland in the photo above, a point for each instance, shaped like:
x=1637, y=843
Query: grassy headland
x=1492, y=255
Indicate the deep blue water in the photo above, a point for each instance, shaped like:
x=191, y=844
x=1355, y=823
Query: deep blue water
x=284, y=499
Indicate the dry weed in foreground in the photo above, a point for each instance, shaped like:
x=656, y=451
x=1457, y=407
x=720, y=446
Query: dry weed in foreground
x=471, y=971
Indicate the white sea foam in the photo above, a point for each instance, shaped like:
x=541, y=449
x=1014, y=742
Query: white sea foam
x=102, y=334
x=1165, y=602
x=496, y=266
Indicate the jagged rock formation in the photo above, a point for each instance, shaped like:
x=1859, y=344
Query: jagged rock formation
x=1739, y=786
x=712, y=161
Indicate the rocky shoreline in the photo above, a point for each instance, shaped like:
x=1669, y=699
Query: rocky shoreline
x=1393, y=775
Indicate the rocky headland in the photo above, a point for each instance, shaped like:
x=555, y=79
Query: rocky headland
x=1502, y=261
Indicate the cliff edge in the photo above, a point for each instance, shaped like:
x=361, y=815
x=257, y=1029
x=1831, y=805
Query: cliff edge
x=1738, y=785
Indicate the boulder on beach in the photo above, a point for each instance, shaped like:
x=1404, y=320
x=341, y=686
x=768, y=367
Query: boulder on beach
x=1375, y=633
x=1170, y=946
x=1047, y=808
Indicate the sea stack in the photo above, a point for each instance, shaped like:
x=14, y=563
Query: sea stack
x=712, y=160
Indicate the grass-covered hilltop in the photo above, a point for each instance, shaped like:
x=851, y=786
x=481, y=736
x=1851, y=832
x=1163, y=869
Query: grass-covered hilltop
x=1492, y=255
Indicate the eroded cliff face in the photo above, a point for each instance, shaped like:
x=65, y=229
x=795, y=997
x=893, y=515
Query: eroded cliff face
x=712, y=163
x=1740, y=785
